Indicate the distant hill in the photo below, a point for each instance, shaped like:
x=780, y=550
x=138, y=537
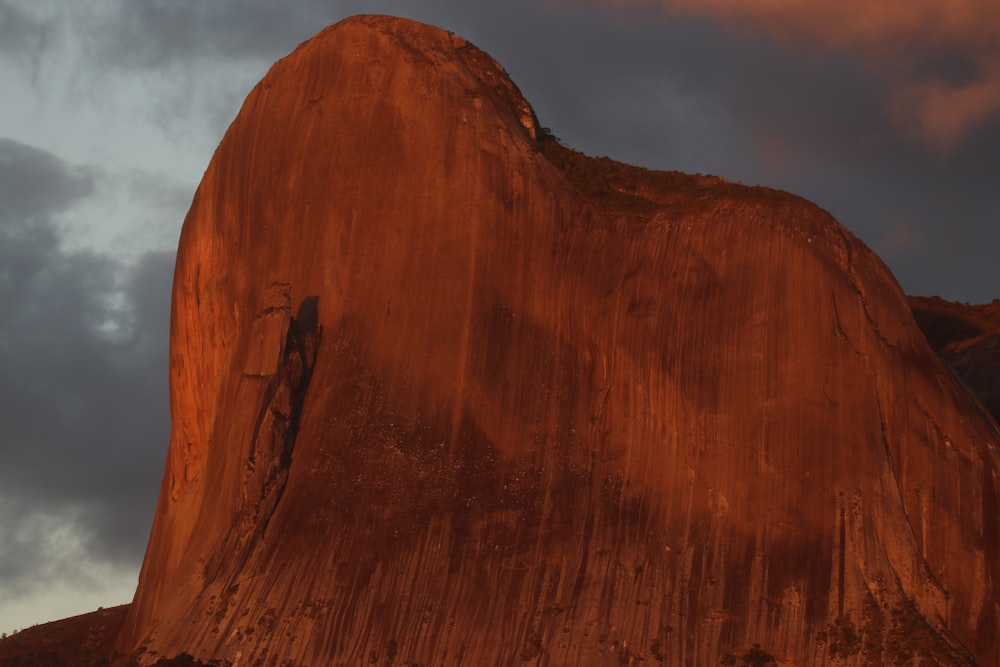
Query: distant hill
x=79, y=641
x=967, y=337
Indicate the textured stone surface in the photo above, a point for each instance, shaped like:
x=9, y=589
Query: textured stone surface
x=445, y=392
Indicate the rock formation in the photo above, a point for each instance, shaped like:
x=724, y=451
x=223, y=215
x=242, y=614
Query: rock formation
x=447, y=392
x=967, y=338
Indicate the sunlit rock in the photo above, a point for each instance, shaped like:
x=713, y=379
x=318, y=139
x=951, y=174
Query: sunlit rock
x=446, y=392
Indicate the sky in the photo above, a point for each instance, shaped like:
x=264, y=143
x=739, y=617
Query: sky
x=885, y=114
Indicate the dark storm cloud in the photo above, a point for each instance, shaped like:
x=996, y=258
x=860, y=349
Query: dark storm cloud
x=34, y=186
x=83, y=400
x=940, y=61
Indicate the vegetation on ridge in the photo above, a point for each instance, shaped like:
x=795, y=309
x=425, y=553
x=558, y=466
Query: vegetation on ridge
x=614, y=186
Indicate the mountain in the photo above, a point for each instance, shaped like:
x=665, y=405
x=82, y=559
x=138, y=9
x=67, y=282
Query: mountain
x=445, y=391
x=78, y=641
x=967, y=338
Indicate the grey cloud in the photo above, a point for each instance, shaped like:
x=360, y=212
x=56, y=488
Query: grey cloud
x=154, y=34
x=37, y=546
x=21, y=35
x=36, y=183
x=83, y=354
x=941, y=66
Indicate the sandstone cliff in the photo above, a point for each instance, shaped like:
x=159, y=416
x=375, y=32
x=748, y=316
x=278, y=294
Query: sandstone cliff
x=446, y=392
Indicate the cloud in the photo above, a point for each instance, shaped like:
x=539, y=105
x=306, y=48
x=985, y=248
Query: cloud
x=21, y=34
x=847, y=22
x=48, y=570
x=36, y=185
x=155, y=34
x=83, y=357
x=941, y=60
x=901, y=238
x=941, y=112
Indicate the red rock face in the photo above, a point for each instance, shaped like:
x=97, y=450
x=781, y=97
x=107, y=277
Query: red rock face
x=446, y=392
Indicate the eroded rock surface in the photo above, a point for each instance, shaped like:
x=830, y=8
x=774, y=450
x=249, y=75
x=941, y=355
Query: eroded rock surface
x=538, y=408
